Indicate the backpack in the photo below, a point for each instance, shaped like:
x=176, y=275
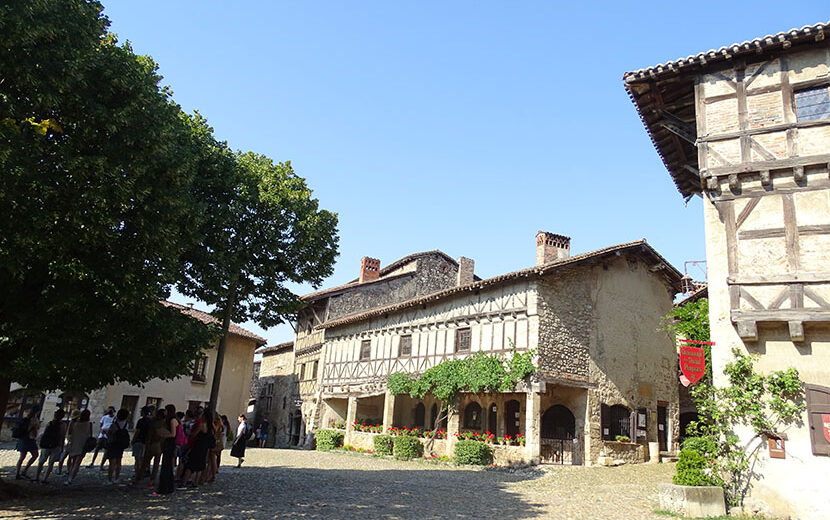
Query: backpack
x=246, y=433
x=21, y=429
x=50, y=438
x=121, y=439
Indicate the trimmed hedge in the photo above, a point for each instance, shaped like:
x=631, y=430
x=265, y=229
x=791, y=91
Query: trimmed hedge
x=706, y=446
x=384, y=444
x=329, y=439
x=407, y=448
x=473, y=452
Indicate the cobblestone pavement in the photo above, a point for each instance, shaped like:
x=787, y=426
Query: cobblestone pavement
x=303, y=484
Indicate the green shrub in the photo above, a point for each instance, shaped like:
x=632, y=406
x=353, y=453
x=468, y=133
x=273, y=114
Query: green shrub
x=706, y=446
x=407, y=448
x=693, y=470
x=473, y=452
x=384, y=444
x=329, y=439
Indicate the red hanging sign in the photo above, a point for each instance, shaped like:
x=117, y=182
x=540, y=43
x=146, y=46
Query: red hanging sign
x=825, y=420
x=692, y=362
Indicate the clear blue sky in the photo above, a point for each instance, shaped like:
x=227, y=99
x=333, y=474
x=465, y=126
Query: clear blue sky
x=462, y=126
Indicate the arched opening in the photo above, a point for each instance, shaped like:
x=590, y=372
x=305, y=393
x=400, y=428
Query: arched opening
x=686, y=418
x=420, y=413
x=512, y=417
x=558, y=423
x=492, y=418
x=472, y=416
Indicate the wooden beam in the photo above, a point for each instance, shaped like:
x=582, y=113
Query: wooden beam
x=768, y=165
x=744, y=214
x=791, y=232
x=780, y=315
x=703, y=138
x=796, y=330
x=747, y=330
x=773, y=279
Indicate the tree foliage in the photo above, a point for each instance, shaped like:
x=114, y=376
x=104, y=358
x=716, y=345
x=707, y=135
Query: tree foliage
x=95, y=204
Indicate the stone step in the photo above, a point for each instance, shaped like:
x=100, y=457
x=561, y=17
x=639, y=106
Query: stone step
x=668, y=456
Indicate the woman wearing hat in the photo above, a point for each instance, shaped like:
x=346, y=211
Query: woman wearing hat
x=80, y=429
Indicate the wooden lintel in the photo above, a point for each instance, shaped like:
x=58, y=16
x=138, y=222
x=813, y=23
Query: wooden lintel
x=747, y=330
x=796, y=330
x=757, y=166
x=779, y=315
x=798, y=173
x=761, y=131
x=776, y=279
x=765, y=179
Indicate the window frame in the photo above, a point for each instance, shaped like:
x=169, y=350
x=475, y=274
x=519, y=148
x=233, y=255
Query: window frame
x=405, y=339
x=365, y=350
x=615, y=422
x=814, y=420
x=459, y=334
x=200, y=370
x=823, y=116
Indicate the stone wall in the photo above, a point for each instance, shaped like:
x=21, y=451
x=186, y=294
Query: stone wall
x=628, y=451
x=433, y=273
x=509, y=455
x=565, y=323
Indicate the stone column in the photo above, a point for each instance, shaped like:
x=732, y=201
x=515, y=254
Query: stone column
x=351, y=417
x=533, y=439
x=453, y=425
x=388, y=410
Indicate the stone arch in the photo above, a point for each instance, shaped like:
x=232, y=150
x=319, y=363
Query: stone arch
x=512, y=415
x=558, y=422
x=420, y=415
x=472, y=416
x=493, y=418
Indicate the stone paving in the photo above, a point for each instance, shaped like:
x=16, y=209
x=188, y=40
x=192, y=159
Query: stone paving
x=304, y=484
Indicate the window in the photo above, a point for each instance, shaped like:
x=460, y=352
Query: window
x=268, y=403
x=271, y=388
x=813, y=104
x=462, y=340
x=472, y=416
x=284, y=402
x=154, y=402
x=302, y=371
x=405, y=346
x=818, y=417
x=615, y=420
x=21, y=401
x=313, y=370
x=200, y=369
x=193, y=405
x=130, y=403
x=365, y=349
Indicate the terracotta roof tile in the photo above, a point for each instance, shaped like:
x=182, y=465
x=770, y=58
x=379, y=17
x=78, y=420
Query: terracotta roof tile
x=206, y=317
x=288, y=345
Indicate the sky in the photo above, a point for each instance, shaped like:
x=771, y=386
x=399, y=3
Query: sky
x=461, y=126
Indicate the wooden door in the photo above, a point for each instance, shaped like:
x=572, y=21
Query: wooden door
x=663, y=428
x=512, y=417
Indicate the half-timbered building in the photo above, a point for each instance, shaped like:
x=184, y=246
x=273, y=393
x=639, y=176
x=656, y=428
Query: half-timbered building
x=747, y=127
x=606, y=371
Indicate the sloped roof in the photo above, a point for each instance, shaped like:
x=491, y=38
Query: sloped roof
x=206, y=317
x=381, y=274
x=638, y=247
x=669, y=87
x=701, y=291
x=288, y=345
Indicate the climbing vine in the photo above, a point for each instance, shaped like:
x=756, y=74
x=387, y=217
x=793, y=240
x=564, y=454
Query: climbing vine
x=766, y=404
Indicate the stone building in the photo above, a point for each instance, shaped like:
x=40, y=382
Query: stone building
x=184, y=392
x=592, y=319
x=415, y=275
x=277, y=395
x=747, y=127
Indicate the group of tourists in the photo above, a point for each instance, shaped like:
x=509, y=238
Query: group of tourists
x=171, y=449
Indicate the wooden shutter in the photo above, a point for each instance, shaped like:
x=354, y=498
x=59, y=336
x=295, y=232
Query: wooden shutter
x=605, y=421
x=818, y=417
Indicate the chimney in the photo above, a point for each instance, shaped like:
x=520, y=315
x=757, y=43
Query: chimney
x=369, y=269
x=551, y=247
x=466, y=266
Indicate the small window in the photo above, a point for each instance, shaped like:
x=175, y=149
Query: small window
x=200, y=369
x=314, y=370
x=268, y=403
x=155, y=402
x=615, y=420
x=365, y=349
x=284, y=402
x=302, y=371
x=813, y=104
x=405, y=346
x=462, y=340
x=270, y=388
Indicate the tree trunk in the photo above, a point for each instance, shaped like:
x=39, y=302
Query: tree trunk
x=441, y=416
x=220, y=352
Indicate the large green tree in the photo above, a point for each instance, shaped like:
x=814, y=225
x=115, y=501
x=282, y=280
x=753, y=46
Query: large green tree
x=264, y=230
x=96, y=205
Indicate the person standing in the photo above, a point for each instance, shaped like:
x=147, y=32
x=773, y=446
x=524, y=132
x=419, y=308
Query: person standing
x=26, y=433
x=142, y=428
x=51, y=445
x=106, y=422
x=263, y=432
x=79, y=431
x=242, y=435
x=201, y=437
x=216, y=451
x=118, y=438
x=168, y=451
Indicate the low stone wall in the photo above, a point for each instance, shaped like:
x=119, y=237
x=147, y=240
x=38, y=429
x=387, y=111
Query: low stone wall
x=439, y=447
x=363, y=440
x=628, y=451
x=509, y=455
x=692, y=501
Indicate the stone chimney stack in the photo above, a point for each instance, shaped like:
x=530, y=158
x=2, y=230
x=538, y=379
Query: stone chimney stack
x=466, y=268
x=369, y=269
x=551, y=247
